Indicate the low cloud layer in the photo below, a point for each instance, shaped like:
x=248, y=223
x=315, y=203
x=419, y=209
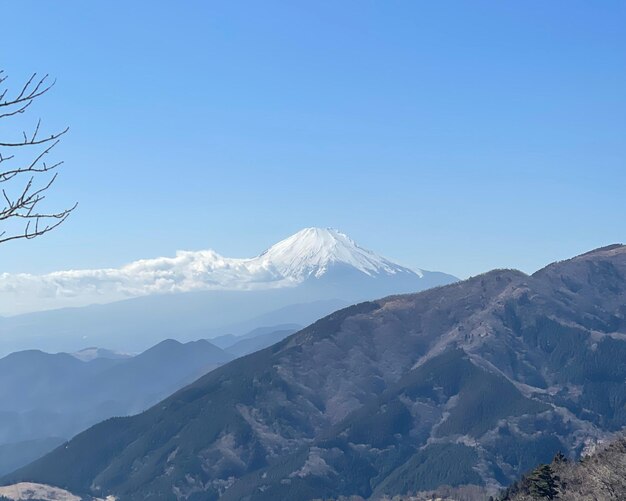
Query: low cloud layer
x=308, y=253
x=187, y=271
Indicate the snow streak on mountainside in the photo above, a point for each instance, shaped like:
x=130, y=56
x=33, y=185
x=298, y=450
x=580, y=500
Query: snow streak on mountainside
x=309, y=254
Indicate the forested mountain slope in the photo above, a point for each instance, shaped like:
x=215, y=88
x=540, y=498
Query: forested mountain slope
x=472, y=383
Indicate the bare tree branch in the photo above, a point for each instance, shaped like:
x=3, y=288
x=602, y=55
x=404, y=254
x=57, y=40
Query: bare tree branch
x=33, y=140
x=34, y=166
x=28, y=92
x=21, y=109
x=22, y=196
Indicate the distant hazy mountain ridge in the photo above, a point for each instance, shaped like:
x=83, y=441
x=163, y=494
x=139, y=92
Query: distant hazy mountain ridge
x=201, y=294
x=48, y=398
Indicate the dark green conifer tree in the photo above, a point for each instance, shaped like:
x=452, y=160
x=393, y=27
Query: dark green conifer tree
x=543, y=482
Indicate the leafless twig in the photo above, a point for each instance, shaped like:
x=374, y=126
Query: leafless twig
x=22, y=203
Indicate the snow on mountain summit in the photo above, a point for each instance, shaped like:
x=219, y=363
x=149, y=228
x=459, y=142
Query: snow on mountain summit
x=311, y=251
x=309, y=254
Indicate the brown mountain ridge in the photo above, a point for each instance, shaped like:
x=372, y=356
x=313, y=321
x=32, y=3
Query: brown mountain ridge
x=473, y=383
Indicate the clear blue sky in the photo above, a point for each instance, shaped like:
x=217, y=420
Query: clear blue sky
x=457, y=136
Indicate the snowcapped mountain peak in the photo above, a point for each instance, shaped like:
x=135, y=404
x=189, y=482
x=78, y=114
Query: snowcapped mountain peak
x=309, y=254
x=311, y=251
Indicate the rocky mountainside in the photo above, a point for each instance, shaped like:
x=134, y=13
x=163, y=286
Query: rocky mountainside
x=473, y=383
x=36, y=492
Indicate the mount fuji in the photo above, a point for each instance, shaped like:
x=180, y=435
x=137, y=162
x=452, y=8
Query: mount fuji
x=313, y=252
x=200, y=294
